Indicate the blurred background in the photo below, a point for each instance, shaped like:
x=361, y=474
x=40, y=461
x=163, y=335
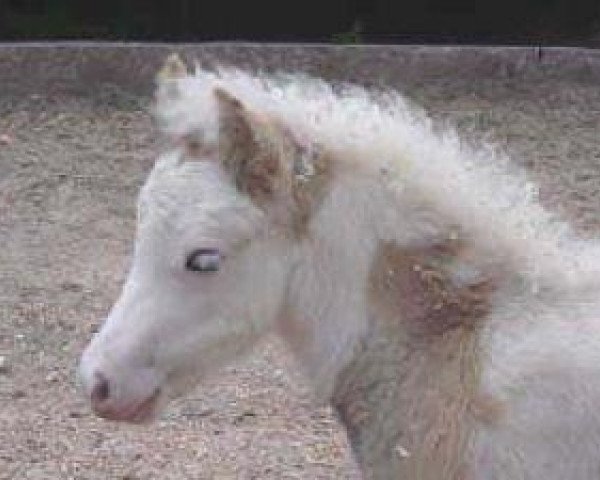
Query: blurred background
x=551, y=22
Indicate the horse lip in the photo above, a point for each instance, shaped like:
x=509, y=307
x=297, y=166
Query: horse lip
x=141, y=412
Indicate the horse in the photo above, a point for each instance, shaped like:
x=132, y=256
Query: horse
x=449, y=318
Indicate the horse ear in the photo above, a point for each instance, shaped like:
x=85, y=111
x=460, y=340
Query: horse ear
x=173, y=69
x=167, y=78
x=252, y=149
x=266, y=159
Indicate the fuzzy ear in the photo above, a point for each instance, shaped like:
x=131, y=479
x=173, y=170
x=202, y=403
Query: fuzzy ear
x=252, y=149
x=167, y=78
x=172, y=69
x=268, y=162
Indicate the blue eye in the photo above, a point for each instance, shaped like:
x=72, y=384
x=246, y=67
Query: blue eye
x=203, y=260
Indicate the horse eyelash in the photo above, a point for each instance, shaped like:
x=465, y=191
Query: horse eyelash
x=210, y=267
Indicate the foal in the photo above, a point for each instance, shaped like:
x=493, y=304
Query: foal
x=450, y=319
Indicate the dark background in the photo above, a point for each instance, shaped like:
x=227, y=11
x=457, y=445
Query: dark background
x=341, y=21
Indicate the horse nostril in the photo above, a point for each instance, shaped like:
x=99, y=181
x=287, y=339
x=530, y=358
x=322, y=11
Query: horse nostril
x=101, y=389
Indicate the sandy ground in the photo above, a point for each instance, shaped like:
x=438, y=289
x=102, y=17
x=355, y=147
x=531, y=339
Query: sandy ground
x=69, y=172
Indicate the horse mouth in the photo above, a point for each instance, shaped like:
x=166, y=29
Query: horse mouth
x=138, y=413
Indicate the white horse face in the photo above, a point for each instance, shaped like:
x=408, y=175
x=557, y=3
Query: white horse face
x=210, y=267
x=207, y=280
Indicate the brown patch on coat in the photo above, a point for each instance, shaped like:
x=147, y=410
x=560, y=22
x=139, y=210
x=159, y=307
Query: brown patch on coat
x=416, y=285
x=414, y=380
x=487, y=409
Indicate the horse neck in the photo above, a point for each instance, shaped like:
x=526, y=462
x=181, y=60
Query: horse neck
x=366, y=345
x=325, y=315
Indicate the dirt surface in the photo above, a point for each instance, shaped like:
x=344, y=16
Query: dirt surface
x=70, y=168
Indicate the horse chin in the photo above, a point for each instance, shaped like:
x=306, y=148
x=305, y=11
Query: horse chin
x=143, y=412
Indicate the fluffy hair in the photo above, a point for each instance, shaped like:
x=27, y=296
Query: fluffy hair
x=478, y=190
x=424, y=288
